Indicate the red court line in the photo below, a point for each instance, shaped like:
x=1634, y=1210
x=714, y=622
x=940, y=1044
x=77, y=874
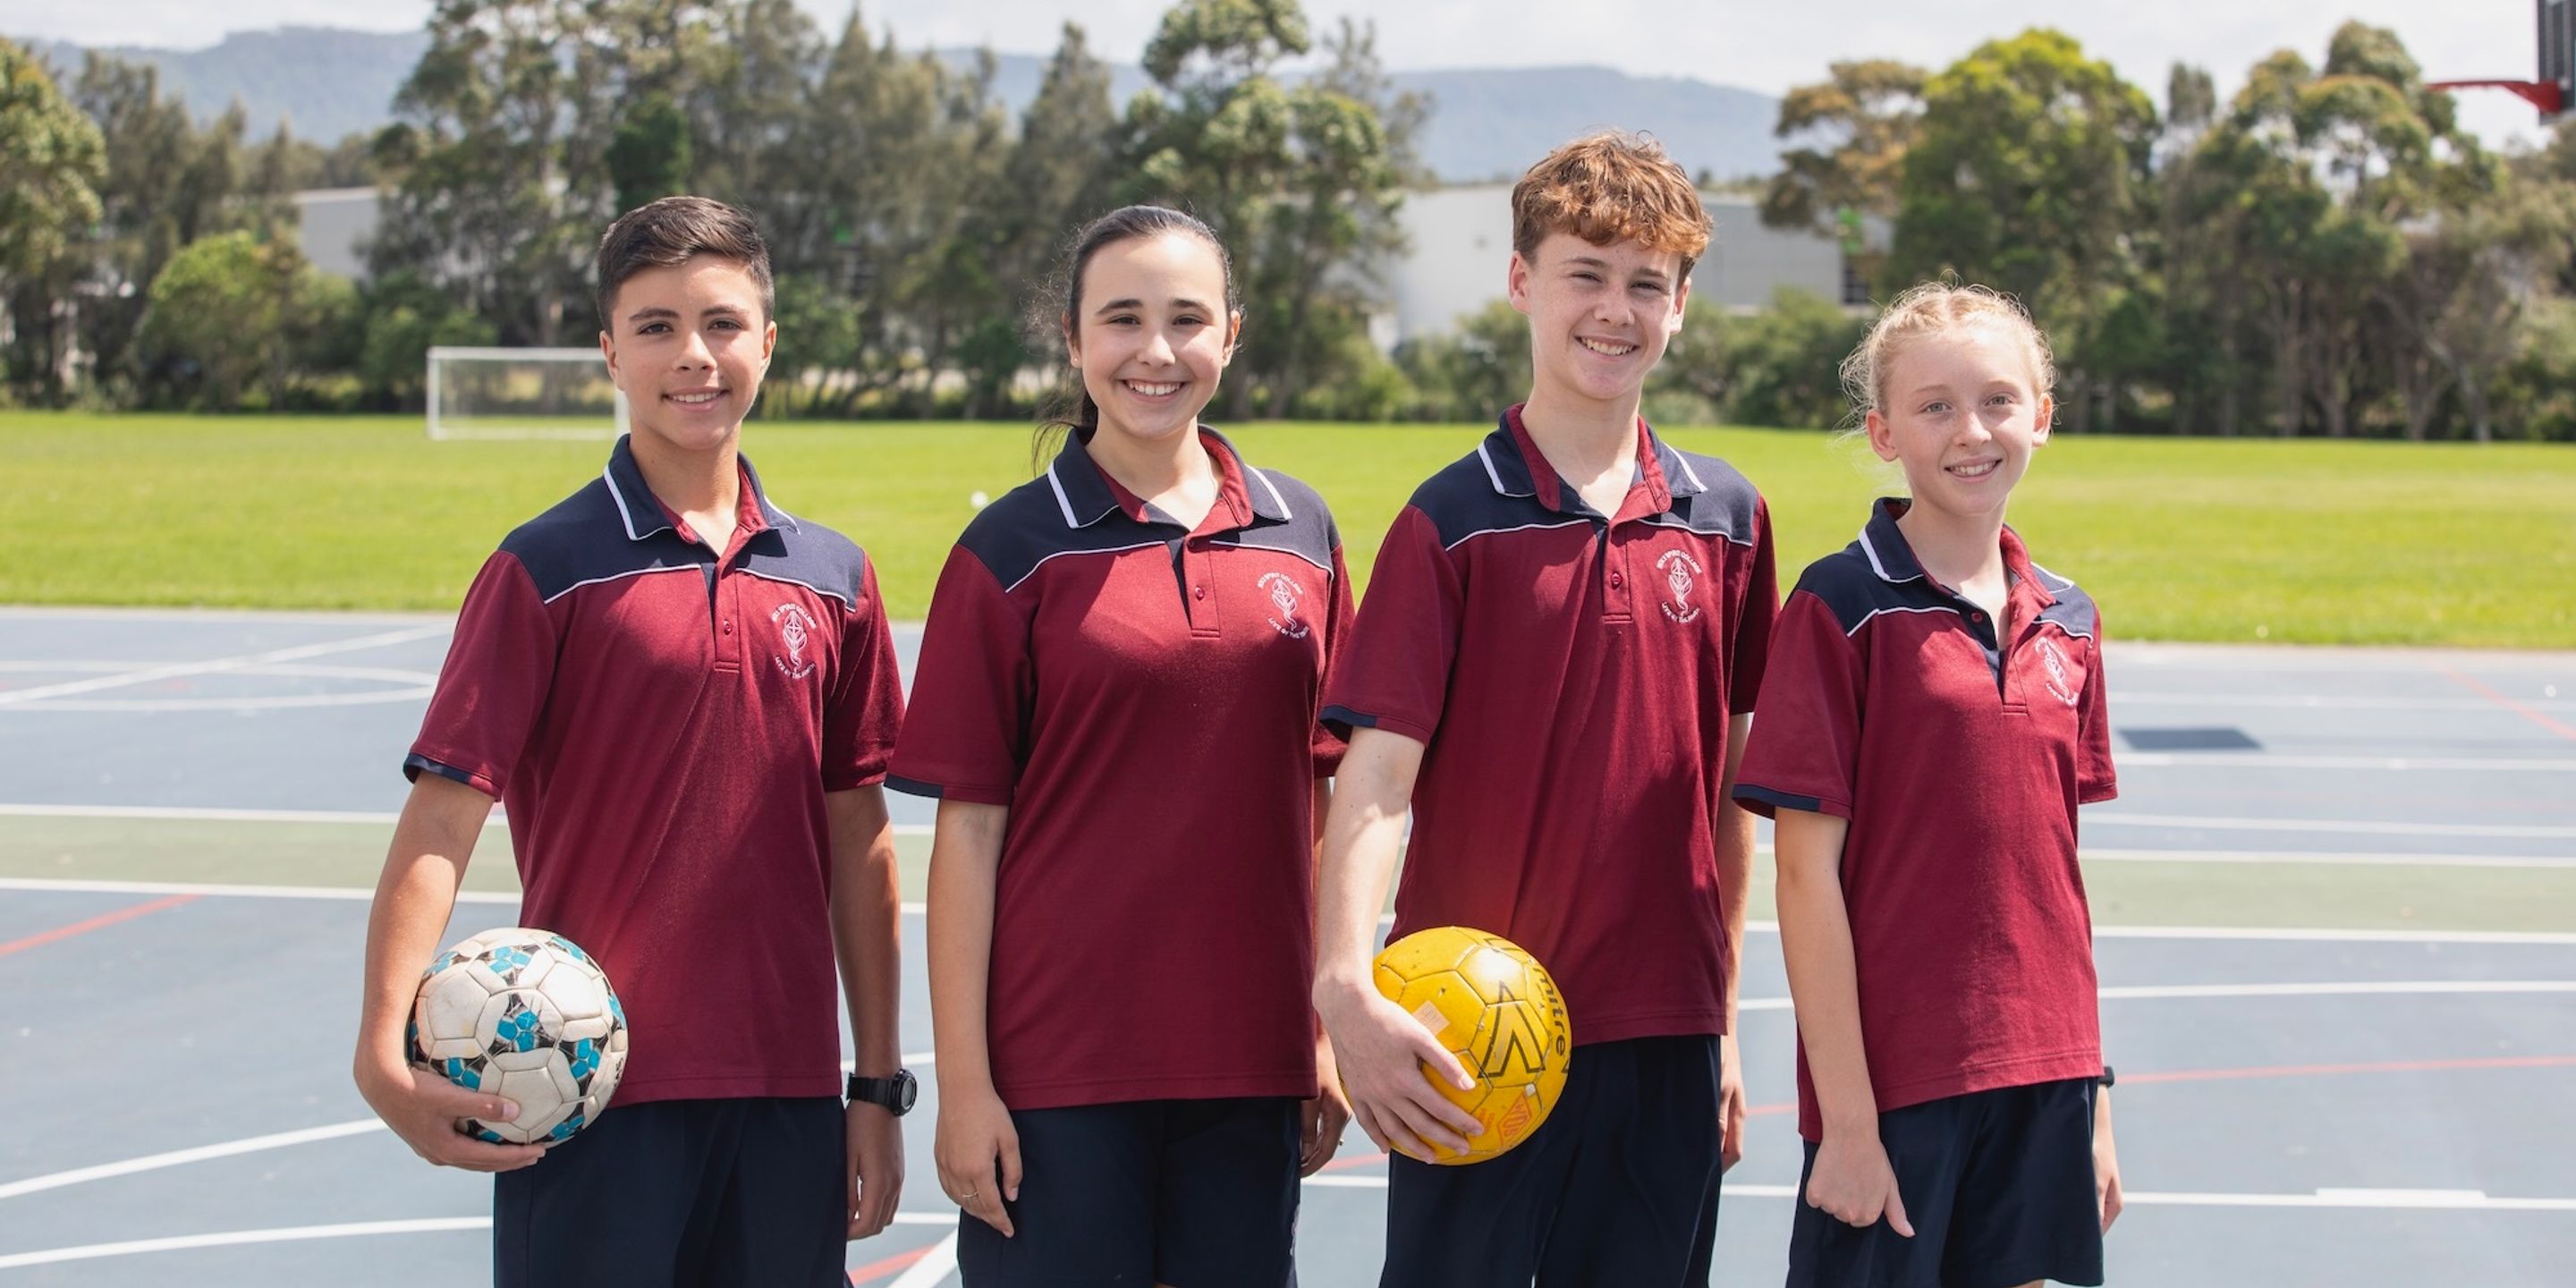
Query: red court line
x=880, y=1269
x=104, y=919
x=2479, y=687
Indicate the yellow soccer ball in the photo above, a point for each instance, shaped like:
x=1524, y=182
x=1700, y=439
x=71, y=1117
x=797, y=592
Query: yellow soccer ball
x=1495, y=1008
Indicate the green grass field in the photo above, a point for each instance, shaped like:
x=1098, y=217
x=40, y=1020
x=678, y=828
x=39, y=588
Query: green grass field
x=2312, y=542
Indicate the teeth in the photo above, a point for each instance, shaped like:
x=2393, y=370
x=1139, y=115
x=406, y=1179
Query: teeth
x=697, y=400
x=1979, y=470
x=1153, y=390
x=1607, y=350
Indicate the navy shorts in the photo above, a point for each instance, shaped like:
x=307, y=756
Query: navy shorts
x=682, y=1193
x=1191, y=1193
x=1617, y=1188
x=1997, y=1184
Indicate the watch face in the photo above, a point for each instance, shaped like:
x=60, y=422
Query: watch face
x=905, y=1091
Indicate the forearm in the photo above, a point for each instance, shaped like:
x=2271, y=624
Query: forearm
x=1363, y=834
x=415, y=894
x=965, y=864
x=1734, y=826
x=867, y=933
x=1816, y=941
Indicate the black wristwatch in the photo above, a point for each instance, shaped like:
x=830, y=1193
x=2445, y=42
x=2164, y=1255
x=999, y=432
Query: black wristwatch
x=2106, y=1079
x=896, y=1093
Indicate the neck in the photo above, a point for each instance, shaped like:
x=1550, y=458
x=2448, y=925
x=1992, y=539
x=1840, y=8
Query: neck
x=1151, y=468
x=690, y=482
x=1954, y=548
x=1581, y=437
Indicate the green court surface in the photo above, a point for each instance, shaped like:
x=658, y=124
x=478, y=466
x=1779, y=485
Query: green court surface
x=2123, y=891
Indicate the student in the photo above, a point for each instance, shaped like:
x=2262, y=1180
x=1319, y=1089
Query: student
x=687, y=698
x=1932, y=718
x=1116, y=711
x=1563, y=633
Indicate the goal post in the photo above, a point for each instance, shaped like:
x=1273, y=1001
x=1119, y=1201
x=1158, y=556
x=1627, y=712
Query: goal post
x=505, y=392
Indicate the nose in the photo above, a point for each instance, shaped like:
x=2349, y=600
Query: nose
x=1158, y=349
x=694, y=351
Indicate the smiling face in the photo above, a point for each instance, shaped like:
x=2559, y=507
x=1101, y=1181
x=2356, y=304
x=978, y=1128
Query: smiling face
x=687, y=345
x=1960, y=410
x=1151, y=333
x=1600, y=316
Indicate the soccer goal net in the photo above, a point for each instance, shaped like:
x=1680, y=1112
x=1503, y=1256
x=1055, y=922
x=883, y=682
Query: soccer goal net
x=522, y=393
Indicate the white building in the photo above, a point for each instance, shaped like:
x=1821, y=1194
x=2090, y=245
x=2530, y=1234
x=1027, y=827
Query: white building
x=1461, y=244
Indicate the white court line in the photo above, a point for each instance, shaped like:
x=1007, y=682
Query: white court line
x=2322, y=702
x=383, y=639
x=2281, y=934
x=2368, y=827
x=2347, y=858
x=155, y=1162
x=2339, y=988
x=2402, y=764
x=290, y=1234
x=2416, y=1200
x=216, y=815
x=934, y=1265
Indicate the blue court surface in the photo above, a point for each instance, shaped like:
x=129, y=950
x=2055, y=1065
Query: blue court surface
x=2337, y=931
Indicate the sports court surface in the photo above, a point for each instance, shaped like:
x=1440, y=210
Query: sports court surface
x=2336, y=900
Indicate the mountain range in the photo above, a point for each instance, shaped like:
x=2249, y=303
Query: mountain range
x=1485, y=123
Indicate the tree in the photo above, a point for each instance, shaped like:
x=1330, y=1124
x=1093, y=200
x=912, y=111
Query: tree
x=1859, y=121
x=51, y=164
x=2028, y=176
x=235, y=309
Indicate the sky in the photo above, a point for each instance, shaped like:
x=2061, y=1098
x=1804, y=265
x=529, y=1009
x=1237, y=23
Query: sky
x=1767, y=46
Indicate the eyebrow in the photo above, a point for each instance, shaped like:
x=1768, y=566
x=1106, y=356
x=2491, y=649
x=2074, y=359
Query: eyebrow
x=1592, y=261
x=1178, y=302
x=655, y=312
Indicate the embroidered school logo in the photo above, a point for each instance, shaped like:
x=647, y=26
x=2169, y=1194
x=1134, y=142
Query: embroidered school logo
x=796, y=630
x=2060, y=680
x=1681, y=573
x=1285, y=597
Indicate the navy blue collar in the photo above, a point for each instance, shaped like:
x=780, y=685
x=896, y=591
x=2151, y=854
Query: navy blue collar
x=644, y=514
x=1508, y=469
x=1083, y=496
x=1892, y=557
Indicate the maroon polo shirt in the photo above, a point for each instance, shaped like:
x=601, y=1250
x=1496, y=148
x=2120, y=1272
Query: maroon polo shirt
x=1959, y=754
x=1142, y=696
x=1572, y=678
x=662, y=726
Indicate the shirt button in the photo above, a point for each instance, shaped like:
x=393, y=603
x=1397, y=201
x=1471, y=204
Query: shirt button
x=1198, y=592
x=1616, y=581
x=1976, y=617
x=728, y=628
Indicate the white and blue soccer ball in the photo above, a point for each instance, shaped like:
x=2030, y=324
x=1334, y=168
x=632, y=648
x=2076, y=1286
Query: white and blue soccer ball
x=528, y=1015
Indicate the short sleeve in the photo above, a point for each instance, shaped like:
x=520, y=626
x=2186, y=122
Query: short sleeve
x=1395, y=673
x=2094, y=777
x=966, y=737
x=492, y=688
x=1756, y=613
x=866, y=711
x=1329, y=744
x=1805, y=750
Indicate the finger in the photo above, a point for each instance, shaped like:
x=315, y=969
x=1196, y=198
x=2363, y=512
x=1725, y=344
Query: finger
x=1428, y=1127
x=1443, y=1064
x=986, y=1203
x=1366, y=1117
x=2111, y=1205
x=1011, y=1166
x=1896, y=1212
x=461, y=1151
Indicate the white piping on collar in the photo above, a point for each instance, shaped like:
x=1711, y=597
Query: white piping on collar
x=620, y=498
x=1490, y=471
x=1062, y=501
x=1687, y=471
x=1269, y=487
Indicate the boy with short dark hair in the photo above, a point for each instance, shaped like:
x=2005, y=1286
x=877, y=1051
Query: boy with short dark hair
x=1553, y=666
x=687, y=698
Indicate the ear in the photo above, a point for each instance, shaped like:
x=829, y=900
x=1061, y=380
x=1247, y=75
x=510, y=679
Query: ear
x=768, y=343
x=1681, y=300
x=608, y=350
x=1882, y=436
x=2047, y=419
x=1072, y=340
x=1516, y=280
x=1233, y=336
